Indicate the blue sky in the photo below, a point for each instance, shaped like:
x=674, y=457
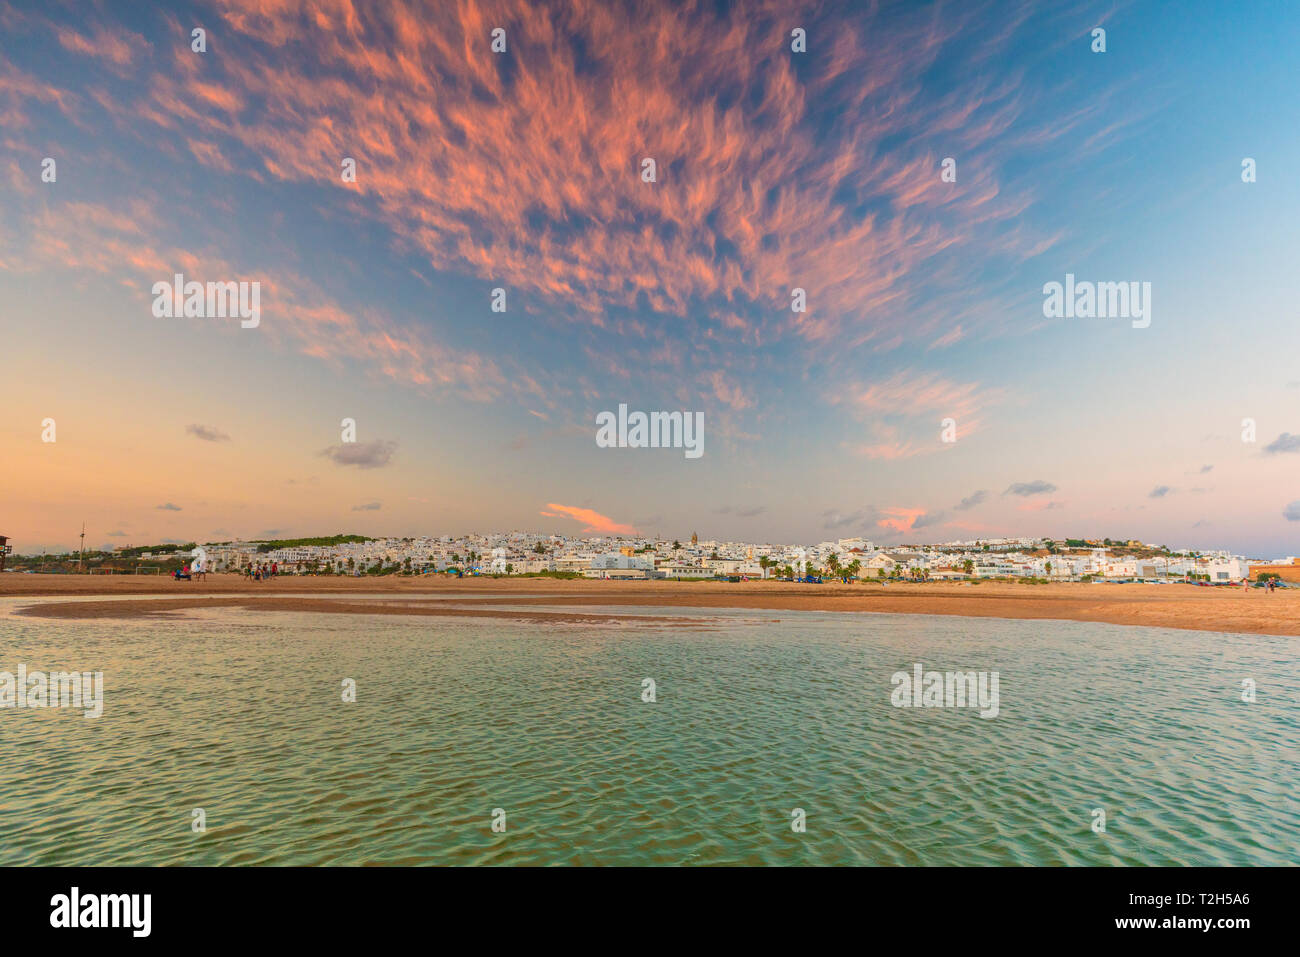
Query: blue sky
x=777, y=169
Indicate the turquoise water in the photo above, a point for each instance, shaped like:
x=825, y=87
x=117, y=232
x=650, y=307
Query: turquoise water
x=240, y=713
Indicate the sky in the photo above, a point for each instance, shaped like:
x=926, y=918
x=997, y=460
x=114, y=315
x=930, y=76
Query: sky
x=820, y=169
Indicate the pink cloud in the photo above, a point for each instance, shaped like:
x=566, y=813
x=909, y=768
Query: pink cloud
x=112, y=240
x=903, y=413
x=484, y=171
x=1040, y=506
x=592, y=521
x=728, y=392
x=901, y=519
x=115, y=45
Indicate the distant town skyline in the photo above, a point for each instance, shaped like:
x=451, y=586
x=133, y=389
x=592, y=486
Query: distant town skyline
x=688, y=539
x=642, y=559
x=460, y=252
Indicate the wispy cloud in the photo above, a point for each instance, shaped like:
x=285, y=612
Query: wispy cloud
x=592, y=521
x=364, y=455
x=207, y=433
x=114, y=45
x=1036, y=487
x=930, y=519
x=834, y=520
x=1040, y=506
x=903, y=413
x=1286, y=442
x=523, y=169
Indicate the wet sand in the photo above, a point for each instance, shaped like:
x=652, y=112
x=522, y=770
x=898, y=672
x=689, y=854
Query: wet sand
x=169, y=607
x=1162, y=606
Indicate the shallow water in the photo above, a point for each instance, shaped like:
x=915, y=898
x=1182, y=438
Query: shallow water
x=240, y=713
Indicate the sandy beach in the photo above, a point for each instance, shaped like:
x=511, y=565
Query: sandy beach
x=1165, y=606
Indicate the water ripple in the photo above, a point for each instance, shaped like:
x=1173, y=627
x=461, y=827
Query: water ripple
x=241, y=715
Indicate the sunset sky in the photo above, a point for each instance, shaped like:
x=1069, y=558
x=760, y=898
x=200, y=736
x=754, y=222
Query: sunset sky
x=776, y=169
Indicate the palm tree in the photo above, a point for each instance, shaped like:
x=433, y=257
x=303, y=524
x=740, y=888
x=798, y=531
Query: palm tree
x=855, y=566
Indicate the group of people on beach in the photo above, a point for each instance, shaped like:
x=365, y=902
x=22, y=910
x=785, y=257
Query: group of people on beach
x=196, y=572
x=262, y=572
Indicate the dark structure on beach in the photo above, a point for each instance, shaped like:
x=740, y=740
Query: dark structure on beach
x=5, y=548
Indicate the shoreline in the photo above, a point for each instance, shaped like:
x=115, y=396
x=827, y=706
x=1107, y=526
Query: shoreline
x=163, y=608
x=1224, y=610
